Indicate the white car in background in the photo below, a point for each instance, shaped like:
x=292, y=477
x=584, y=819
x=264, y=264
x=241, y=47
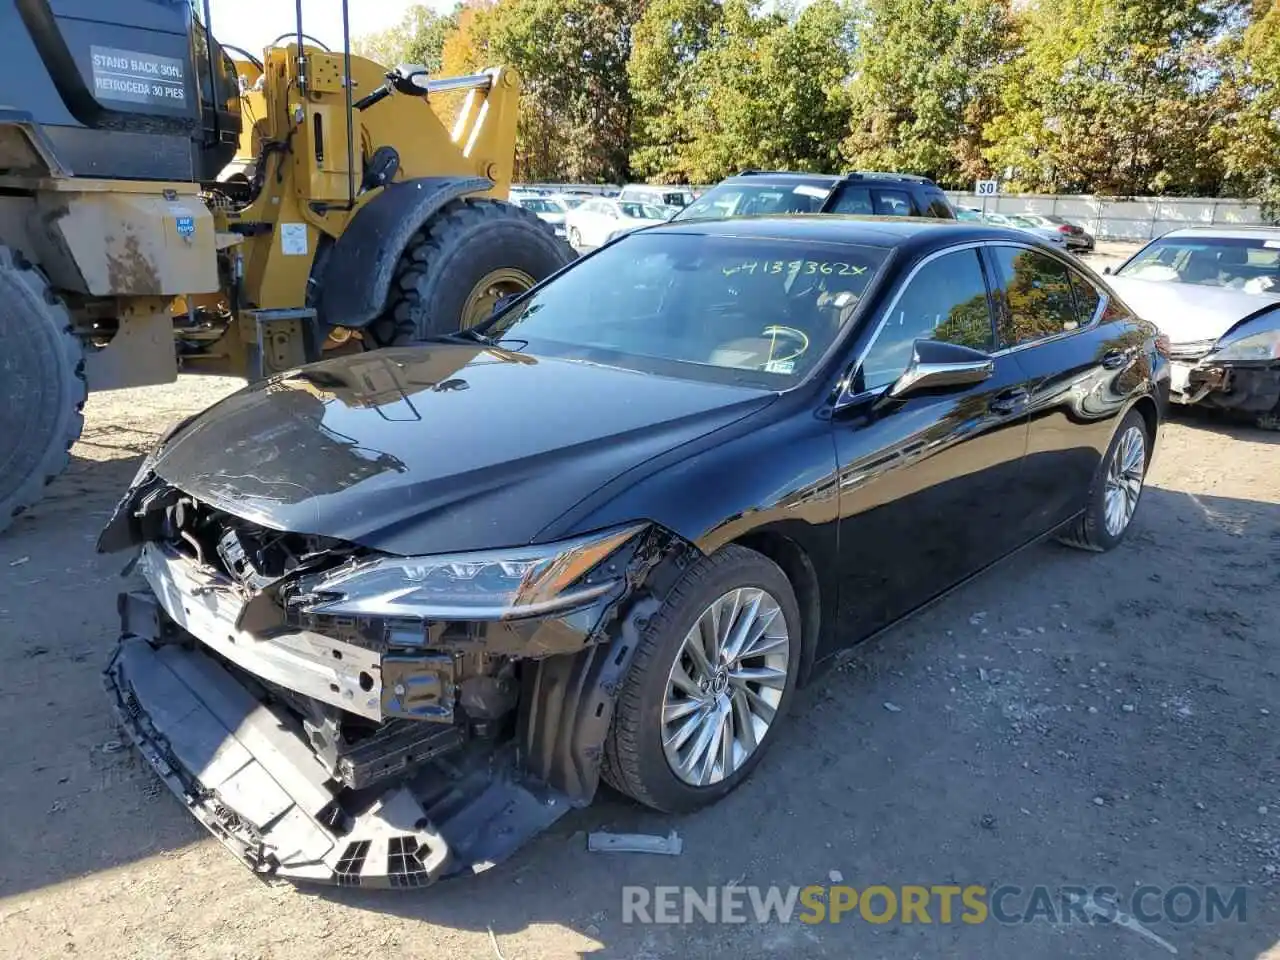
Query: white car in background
x=659, y=196
x=1014, y=222
x=1215, y=293
x=596, y=222
x=548, y=210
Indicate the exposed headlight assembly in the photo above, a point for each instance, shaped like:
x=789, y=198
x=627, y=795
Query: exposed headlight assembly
x=1257, y=339
x=1256, y=346
x=488, y=585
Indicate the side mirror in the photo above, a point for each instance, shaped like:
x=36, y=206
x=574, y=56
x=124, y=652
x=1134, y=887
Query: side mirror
x=935, y=364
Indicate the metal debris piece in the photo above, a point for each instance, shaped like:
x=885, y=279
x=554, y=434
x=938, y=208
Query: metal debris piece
x=493, y=939
x=601, y=841
x=892, y=707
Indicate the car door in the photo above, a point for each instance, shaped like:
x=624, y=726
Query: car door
x=1083, y=358
x=928, y=484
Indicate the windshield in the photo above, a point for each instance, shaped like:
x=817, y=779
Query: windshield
x=732, y=309
x=641, y=211
x=1023, y=222
x=739, y=200
x=541, y=205
x=1235, y=263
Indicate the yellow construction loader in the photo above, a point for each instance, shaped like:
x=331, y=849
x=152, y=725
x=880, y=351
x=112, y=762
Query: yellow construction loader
x=165, y=206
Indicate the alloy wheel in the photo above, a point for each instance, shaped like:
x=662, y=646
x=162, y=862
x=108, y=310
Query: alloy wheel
x=725, y=686
x=1123, y=485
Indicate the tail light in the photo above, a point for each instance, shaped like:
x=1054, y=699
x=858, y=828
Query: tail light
x=1064, y=228
x=1162, y=345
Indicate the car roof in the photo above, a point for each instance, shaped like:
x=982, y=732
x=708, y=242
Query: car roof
x=1235, y=233
x=919, y=233
x=784, y=177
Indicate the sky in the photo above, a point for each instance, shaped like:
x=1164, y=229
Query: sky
x=253, y=24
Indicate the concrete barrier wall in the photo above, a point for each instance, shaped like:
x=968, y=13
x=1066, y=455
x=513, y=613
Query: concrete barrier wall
x=1129, y=218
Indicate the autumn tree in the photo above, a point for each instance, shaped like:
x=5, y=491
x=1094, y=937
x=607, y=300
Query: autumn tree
x=1113, y=96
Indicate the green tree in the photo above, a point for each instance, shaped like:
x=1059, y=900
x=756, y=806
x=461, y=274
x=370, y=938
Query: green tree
x=575, y=107
x=740, y=87
x=1248, y=136
x=663, y=73
x=418, y=38
x=1114, y=96
x=928, y=76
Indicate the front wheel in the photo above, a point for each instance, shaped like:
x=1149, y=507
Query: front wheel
x=575, y=238
x=711, y=680
x=1116, y=490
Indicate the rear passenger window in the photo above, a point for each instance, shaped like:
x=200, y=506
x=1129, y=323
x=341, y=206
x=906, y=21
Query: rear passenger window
x=1087, y=298
x=891, y=203
x=946, y=300
x=938, y=207
x=1037, y=295
x=855, y=200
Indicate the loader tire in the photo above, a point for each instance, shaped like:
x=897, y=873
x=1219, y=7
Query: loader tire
x=461, y=261
x=42, y=385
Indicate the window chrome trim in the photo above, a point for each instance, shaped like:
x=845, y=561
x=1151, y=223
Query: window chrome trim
x=844, y=397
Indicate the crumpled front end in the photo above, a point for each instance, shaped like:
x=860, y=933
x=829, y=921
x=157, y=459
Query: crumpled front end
x=331, y=737
x=1200, y=375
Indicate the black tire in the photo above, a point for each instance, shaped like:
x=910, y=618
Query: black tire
x=1089, y=530
x=42, y=385
x=464, y=242
x=634, y=762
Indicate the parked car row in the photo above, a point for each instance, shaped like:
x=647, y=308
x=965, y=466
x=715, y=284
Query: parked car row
x=1053, y=230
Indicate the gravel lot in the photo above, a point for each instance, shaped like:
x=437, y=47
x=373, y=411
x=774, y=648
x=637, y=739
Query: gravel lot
x=1067, y=719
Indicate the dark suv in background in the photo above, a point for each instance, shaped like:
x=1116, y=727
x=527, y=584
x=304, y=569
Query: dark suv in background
x=761, y=192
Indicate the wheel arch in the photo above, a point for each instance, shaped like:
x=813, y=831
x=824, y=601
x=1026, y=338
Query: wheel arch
x=799, y=569
x=365, y=256
x=1150, y=411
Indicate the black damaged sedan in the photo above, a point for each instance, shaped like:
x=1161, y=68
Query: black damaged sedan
x=406, y=608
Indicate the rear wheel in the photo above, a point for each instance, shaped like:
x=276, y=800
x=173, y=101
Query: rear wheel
x=42, y=385
x=466, y=258
x=712, y=678
x=1116, y=490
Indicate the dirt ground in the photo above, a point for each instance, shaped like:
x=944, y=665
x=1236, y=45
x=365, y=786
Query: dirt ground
x=1067, y=719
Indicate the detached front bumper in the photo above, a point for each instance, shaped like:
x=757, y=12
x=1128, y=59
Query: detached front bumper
x=244, y=770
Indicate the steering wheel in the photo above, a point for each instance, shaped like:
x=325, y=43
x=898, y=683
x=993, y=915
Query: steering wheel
x=293, y=35
x=782, y=339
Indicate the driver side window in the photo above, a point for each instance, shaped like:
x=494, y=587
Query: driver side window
x=946, y=300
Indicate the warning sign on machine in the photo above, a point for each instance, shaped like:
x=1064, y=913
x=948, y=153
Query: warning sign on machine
x=138, y=77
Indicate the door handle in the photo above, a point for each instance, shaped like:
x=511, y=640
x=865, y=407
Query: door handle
x=1010, y=401
x=1115, y=359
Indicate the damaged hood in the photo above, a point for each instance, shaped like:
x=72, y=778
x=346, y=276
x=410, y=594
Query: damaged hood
x=1189, y=312
x=437, y=448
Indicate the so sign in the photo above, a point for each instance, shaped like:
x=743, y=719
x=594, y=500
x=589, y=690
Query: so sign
x=986, y=188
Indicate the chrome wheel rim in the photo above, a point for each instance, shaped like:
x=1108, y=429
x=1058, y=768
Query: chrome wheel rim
x=725, y=686
x=1124, y=480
